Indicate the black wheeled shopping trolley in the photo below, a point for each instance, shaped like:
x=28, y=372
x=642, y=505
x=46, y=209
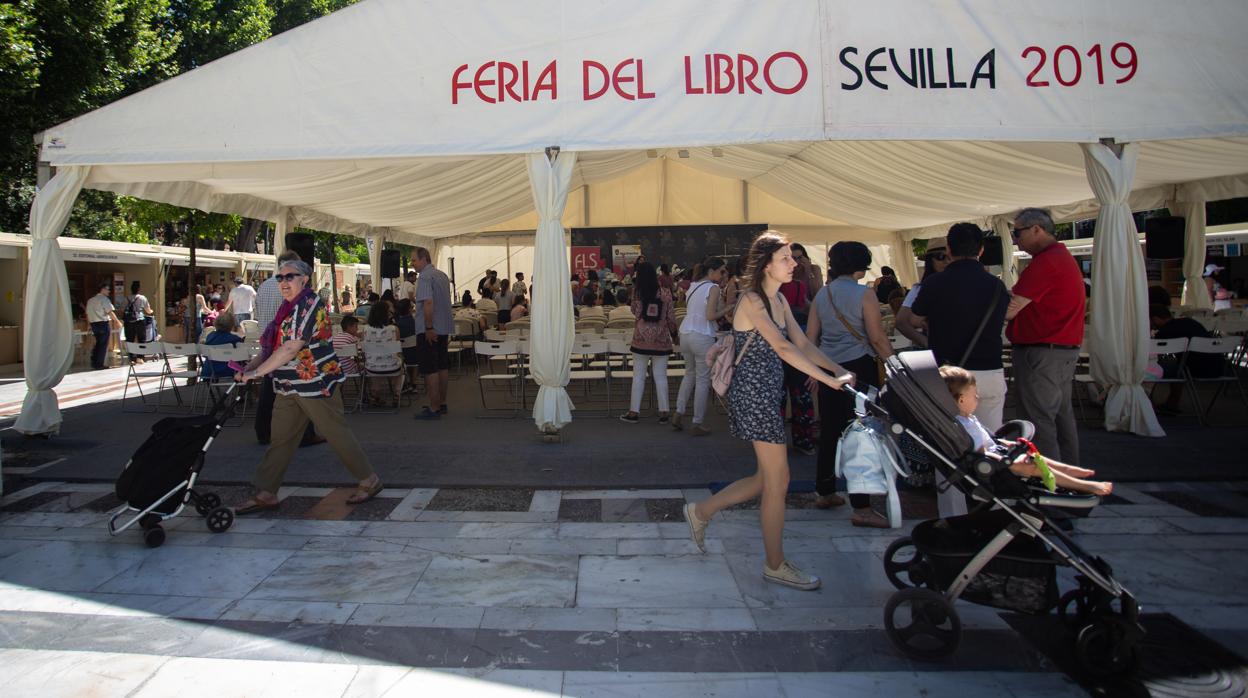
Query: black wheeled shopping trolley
x=159, y=480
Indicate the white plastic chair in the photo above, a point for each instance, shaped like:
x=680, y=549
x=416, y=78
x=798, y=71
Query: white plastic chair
x=1225, y=347
x=486, y=353
x=389, y=346
x=173, y=351
x=142, y=349
x=212, y=386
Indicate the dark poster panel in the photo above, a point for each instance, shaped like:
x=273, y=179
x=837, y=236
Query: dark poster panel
x=680, y=245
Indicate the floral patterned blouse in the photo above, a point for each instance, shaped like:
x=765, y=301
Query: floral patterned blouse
x=315, y=371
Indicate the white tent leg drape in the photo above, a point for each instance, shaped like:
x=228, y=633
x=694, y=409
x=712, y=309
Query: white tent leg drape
x=281, y=227
x=1119, y=341
x=48, y=339
x=1002, y=225
x=550, y=338
x=1191, y=205
x=904, y=263
x=376, y=243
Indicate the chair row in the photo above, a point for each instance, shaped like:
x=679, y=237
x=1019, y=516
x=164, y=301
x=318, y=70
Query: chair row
x=1231, y=351
x=595, y=361
x=169, y=376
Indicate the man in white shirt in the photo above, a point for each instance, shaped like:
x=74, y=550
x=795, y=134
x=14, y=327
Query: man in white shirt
x=407, y=289
x=519, y=288
x=102, y=318
x=242, y=300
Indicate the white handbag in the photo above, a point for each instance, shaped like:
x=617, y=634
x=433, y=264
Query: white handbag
x=869, y=460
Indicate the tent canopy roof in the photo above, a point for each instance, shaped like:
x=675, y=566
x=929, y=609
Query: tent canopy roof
x=414, y=117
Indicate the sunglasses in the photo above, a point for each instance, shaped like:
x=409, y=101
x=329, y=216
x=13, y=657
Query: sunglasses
x=286, y=277
x=1016, y=233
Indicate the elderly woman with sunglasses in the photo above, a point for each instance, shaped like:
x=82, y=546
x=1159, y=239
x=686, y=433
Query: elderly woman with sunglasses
x=305, y=369
x=934, y=261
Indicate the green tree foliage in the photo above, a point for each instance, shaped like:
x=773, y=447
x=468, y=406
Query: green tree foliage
x=59, y=59
x=62, y=58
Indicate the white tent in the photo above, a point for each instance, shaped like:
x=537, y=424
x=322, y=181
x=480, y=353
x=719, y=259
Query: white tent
x=414, y=121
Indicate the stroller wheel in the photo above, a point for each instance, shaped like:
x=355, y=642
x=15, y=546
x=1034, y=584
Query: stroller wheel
x=923, y=624
x=149, y=521
x=154, y=536
x=220, y=519
x=1074, y=609
x=904, y=565
x=1104, y=648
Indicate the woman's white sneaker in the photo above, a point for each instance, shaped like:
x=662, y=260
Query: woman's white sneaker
x=697, y=527
x=790, y=576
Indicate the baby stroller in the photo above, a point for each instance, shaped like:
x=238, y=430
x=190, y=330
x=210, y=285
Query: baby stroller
x=159, y=479
x=1005, y=552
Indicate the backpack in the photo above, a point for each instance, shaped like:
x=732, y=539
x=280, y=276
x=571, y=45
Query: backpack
x=723, y=363
x=132, y=312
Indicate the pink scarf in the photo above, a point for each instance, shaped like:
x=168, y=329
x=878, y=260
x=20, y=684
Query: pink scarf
x=268, y=340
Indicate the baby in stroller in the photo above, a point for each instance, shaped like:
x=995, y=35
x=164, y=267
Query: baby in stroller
x=961, y=384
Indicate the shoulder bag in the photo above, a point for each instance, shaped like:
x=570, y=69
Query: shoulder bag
x=879, y=363
x=724, y=364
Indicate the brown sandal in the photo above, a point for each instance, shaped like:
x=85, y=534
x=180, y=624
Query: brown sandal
x=253, y=506
x=871, y=520
x=364, y=493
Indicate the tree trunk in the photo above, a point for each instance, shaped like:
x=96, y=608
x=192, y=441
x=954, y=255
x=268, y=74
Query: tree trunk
x=248, y=233
x=192, y=308
x=333, y=273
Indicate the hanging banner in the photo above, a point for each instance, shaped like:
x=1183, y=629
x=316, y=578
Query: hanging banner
x=394, y=77
x=623, y=257
x=585, y=258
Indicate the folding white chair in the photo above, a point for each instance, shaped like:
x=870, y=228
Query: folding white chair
x=142, y=349
x=584, y=356
x=621, y=324
x=486, y=353
x=216, y=385
x=591, y=326
x=1226, y=348
x=390, y=346
x=174, y=351
x=352, y=351
x=492, y=335
x=1167, y=347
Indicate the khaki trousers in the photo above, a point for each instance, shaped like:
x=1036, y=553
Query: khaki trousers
x=290, y=417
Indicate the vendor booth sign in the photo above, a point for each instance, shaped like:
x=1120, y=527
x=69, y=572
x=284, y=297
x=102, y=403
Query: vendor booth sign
x=622, y=258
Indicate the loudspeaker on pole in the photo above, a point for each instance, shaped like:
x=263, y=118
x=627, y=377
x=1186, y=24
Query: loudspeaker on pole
x=304, y=245
x=390, y=264
x=1164, y=237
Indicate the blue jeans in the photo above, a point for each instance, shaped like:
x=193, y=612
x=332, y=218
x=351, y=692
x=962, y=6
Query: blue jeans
x=242, y=316
x=99, y=352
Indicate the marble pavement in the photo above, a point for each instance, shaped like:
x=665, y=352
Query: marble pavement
x=527, y=602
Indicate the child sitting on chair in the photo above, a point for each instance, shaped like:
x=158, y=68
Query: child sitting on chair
x=961, y=384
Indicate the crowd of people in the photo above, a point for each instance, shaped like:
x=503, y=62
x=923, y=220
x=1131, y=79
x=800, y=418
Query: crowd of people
x=796, y=342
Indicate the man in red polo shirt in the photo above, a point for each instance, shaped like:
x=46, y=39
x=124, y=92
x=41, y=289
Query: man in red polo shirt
x=1046, y=329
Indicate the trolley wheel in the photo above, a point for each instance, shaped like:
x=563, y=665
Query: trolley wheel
x=1104, y=648
x=1074, y=609
x=207, y=502
x=154, y=536
x=905, y=566
x=220, y=519
x=923, y=624
x=149, y=521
